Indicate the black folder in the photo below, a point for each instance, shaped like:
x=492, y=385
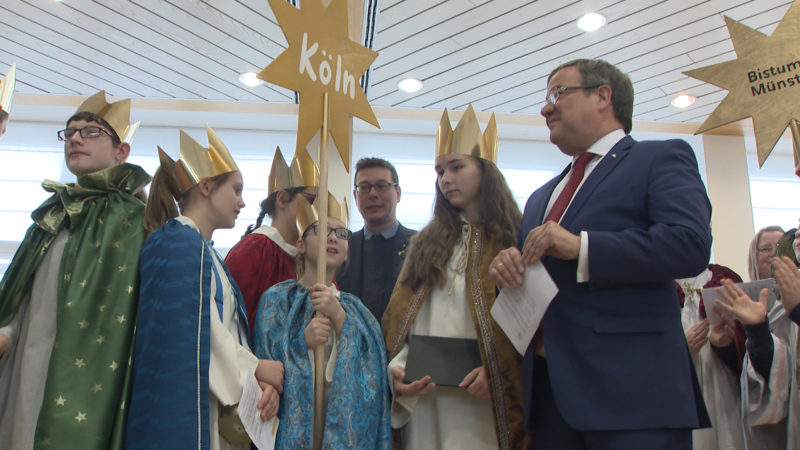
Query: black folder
x=447, y=360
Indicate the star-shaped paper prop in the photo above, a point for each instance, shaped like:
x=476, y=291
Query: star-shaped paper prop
x=321, y=58
x=763, y=82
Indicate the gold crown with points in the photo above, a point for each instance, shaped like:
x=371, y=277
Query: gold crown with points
x=197, y=162
x=307, y=213
x=7, y=89
x=467, y=138
x=168, y=164
x=117, y=114
x=302, y=173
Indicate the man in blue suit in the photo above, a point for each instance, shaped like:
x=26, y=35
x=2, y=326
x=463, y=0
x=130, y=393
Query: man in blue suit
x=609, y=367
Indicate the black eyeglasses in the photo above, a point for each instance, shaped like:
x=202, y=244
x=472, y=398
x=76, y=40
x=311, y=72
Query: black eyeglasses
x=380, y=186
x=89, y=131
x=341, y=233
x=552, y=96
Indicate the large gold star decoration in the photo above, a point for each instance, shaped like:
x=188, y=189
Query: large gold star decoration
x=763, y=82
x=320, y=59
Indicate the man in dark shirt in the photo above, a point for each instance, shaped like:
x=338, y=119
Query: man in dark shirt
x=376, y=251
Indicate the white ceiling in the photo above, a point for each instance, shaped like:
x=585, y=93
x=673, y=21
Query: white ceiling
x=493, y=54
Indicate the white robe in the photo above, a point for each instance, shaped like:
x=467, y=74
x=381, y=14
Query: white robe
x=771, y=410
x=23, y=369
x=231, y=360
x=446, y=417
x=719, y=384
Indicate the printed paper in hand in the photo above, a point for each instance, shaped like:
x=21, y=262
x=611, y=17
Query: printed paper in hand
x=519, y=311
x=752, y=289
x=261, y=433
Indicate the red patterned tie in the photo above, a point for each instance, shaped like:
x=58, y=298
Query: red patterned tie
x=578, y=169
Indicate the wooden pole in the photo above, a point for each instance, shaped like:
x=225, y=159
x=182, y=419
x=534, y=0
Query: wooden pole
x=322, y=235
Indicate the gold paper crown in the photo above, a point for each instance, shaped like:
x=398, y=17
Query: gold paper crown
x=309, y=213
x=467, y=138
x=302, y=173
x=197, y=162
x=7, y=89
x=117, y=114
x=168, y=164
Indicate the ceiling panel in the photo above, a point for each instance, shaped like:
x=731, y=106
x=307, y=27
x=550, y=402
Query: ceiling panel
x=495, y=54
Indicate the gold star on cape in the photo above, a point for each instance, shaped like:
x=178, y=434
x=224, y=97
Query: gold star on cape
x=321, y=58
x=763, y=82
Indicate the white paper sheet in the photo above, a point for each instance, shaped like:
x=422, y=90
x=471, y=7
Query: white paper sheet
x=261, y=433
x=519, y=311
x=752, y=289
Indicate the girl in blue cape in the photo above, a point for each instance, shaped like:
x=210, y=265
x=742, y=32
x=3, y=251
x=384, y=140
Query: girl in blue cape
x=192, y=357
x=356, y=390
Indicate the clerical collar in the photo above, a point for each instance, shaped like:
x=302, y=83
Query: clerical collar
x=387, y=233
x=604, y=144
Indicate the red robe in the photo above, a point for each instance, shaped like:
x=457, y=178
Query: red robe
x=258, y=261
x=718, y=273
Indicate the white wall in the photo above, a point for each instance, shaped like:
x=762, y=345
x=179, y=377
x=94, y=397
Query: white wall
x=29, y=152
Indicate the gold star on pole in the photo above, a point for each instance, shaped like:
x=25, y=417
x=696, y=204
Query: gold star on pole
x=320, y=59
x=763, y=82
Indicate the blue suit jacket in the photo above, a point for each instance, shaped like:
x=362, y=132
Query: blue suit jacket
x=616, y=352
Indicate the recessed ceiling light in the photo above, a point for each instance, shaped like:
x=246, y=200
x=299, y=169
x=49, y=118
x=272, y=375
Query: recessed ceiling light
x=410, y=85
x=683, y=100
x=591, y=21
x=249, y=78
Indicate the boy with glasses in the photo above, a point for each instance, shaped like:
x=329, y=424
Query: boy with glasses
x=376, y=251
x=68, y=299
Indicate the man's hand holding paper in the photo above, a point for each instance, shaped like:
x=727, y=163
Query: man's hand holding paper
x=519, y=310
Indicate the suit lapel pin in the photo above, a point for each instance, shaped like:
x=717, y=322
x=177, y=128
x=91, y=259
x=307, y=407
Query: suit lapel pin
x=613, y=155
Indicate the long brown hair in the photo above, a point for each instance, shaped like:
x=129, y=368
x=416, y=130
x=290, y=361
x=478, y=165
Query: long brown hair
x=432, y=247
x=161, y=204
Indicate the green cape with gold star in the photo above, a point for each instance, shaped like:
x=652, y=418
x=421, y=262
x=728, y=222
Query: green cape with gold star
x=88, y=378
